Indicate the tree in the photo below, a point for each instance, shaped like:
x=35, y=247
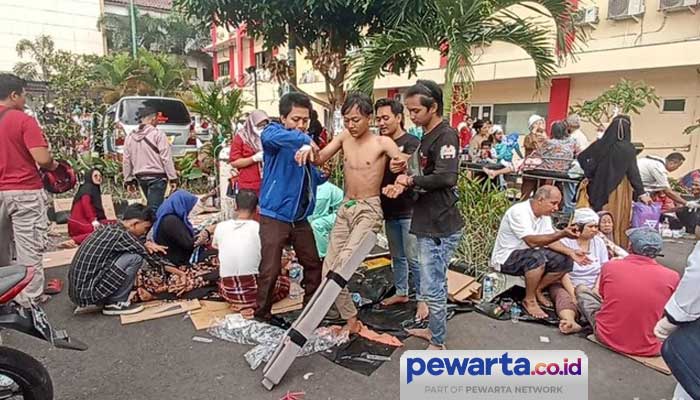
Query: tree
x=456, y=28
x=625, y=97
x=41, y=50
x=222, y=106
x=163, y=74
x=116, y=77
x=325, y=30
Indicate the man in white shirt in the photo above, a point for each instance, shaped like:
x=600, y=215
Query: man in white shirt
x=654, y=172
x=527, y=245
x=238, y=242
x=573, y=123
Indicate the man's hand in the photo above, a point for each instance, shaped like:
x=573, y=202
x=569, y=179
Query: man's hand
x=399, y=164
x=404, y=180
x=153, y=248
x=664, y=328
x=571, y=232
x=393, y=191
x=645, y=198
x=580, y=257
x=304, y=155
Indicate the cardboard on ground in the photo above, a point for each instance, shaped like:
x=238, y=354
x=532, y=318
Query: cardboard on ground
x=461, y=287
x=656, y=363
x=58, y=258
x=212, y=311
x=161, y=309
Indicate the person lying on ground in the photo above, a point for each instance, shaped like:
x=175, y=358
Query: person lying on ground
x=364, y=160
x=398, y=212
x=563, y=293
x=174, y=230
x=238, y=242
x=654, y=172
x=633, y=292
x=87, y=213
x=436, y=222
x=288, y=197
x=527, y=245
x=104, y=268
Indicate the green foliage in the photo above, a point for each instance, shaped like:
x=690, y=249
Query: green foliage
x=174, y=34
x=625, y=97
x=221, y=105
x=41, y=50
x=482, y=208
x=455, y=28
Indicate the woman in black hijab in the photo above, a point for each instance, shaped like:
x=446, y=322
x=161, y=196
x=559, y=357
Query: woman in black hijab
x=610, y=166
x=87, y=212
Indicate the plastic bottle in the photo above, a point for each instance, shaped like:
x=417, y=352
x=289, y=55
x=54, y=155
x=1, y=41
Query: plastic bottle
x=296, y=275
x=359, y=300
x=488, y=288
x=515, y=313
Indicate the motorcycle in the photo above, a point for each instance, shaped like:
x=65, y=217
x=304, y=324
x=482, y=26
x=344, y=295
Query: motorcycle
x=21, y=375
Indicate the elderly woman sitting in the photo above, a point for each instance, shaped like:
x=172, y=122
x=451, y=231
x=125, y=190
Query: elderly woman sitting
x=590, y=242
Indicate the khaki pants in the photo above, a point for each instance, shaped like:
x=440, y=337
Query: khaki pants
x=24, y=232
x=355, y=218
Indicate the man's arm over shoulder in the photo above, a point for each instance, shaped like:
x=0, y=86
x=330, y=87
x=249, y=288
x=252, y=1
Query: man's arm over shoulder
x=276, y=137
x=446, y=164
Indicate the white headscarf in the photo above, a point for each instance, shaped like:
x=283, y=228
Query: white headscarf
x=585, y=216
x=533, y=119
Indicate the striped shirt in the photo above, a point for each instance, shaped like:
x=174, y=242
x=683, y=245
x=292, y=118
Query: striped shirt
x=93, y=274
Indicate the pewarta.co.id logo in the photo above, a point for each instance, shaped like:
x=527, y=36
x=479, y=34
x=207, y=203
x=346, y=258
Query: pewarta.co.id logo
x=497, y=374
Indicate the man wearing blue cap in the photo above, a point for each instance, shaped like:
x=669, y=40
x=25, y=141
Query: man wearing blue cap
x=632, y=294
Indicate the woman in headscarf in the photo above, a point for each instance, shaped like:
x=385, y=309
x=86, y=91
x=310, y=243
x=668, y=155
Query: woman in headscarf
x=174, y=230
x=247, y=152
x=87, y=212
x=610, y=167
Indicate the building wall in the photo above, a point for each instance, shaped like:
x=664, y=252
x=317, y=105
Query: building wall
x=71, y=23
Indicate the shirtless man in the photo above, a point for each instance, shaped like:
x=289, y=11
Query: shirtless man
x=365, y=157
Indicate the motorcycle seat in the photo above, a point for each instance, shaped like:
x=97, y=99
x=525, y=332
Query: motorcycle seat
x=10, y=276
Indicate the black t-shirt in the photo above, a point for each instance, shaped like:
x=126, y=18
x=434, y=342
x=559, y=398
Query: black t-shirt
x=402, y=206
x=435, y=212
x=173, y=233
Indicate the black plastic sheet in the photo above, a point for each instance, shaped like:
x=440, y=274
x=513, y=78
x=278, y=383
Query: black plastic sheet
x=517, y=294
x=357, y=354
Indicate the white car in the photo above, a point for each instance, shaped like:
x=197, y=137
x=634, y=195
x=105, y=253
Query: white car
x=173, y=120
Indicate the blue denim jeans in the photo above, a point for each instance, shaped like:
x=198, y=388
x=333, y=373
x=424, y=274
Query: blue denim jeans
x=404, y=255
x=435, y=255
x=680, y=351
x=130, y=264
x=569, y=197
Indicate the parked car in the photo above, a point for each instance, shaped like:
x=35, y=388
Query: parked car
x=173, y=119
x=202, y=128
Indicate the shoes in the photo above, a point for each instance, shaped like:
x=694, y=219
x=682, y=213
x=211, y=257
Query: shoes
x=92, y=308
x=122, y=308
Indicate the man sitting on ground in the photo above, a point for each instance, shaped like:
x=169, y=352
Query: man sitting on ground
x=654, y=172
x=633, y=292
x=104, y=268
x=239, y=247
x=528, y=246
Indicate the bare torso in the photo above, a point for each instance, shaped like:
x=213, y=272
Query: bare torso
x=364, y=163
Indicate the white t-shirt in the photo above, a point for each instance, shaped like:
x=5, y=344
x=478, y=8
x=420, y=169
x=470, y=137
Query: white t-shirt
x=581, y=140
x=597, y=253
x=239, y=247
x=652, y=170
x=518, y=222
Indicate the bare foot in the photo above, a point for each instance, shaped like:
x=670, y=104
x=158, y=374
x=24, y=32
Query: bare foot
x=543, y=299
x=435, y=347
x=491, y=173
x=68, y=244
x=420, y=333
x=247, y=313
x=353, y=325
x=533, y=308
x=394, y=300
x=568, y=327
x=422, y=312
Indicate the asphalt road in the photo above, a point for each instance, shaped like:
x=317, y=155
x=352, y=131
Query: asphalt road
x=159, y=360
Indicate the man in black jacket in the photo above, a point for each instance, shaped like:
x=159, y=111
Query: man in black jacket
x=437, y=222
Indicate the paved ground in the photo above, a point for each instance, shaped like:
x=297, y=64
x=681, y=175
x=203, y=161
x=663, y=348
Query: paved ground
x=158, y=359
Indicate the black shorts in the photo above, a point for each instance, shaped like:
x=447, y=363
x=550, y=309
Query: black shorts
x=521, y=261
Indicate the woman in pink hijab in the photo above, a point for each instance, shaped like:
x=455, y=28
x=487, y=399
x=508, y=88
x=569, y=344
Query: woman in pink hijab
x=247, y=153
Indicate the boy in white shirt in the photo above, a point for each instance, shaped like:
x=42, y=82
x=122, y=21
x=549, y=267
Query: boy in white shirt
x=238, y=242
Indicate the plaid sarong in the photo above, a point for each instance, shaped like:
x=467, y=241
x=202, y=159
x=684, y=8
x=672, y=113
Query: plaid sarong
x=242, y=291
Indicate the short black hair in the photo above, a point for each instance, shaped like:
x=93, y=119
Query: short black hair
x=429, y=92
x=10, y=83
x=675, y=157
x=486, y=143
x=140, y=212
x=559, y=130
x=479, y=123
x=246, y=200
x=294, y=99
x=396, y=107
x=359, y=99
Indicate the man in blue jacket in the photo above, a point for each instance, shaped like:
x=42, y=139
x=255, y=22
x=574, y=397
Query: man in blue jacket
x=287, y=198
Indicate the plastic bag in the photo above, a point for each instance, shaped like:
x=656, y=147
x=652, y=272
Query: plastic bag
x=646, y=216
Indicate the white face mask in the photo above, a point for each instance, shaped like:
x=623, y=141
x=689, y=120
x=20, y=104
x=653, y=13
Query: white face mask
x=257, y=130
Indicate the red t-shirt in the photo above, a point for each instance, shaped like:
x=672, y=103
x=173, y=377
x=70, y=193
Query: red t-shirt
x=634, y=291
x=18, y=133
x=249, y=177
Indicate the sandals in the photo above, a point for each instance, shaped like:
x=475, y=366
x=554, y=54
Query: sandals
x=53, y=286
